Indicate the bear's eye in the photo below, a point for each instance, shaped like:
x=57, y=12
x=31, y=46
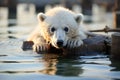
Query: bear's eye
x=52, y=29
x=66, y=29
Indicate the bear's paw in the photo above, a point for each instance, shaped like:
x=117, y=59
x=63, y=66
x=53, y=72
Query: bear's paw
x=74, y=43
x=39, y=47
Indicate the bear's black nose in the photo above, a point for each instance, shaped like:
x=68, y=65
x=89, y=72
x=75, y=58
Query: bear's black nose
x=60, y=43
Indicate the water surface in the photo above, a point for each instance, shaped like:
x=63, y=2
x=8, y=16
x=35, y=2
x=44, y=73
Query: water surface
x=16, y=64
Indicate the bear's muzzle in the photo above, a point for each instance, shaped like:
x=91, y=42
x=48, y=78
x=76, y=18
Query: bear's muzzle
x=60, y=43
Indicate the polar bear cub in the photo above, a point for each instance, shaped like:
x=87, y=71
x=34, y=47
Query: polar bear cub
x=59, y=27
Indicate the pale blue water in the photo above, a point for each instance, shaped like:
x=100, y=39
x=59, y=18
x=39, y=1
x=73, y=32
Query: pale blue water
x=16, y=64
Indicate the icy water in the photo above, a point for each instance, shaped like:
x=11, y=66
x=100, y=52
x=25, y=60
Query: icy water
x=16, y=64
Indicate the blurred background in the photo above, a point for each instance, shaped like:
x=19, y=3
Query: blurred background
x=22, y=13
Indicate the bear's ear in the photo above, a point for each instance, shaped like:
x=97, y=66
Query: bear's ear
x=79, y=18
x=41, y=17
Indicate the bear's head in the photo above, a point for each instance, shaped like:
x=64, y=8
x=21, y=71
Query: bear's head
x=59, y=25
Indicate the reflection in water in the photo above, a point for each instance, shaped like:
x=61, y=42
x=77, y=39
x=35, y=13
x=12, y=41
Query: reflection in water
x=55, y=65
x=65, y=69
x=60, y=66
x=50, y=63
x=50, y=67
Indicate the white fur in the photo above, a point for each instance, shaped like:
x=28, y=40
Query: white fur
x=59, y=18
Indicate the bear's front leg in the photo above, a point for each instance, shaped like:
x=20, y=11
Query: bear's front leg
x=39, y=45
x=73, y=43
